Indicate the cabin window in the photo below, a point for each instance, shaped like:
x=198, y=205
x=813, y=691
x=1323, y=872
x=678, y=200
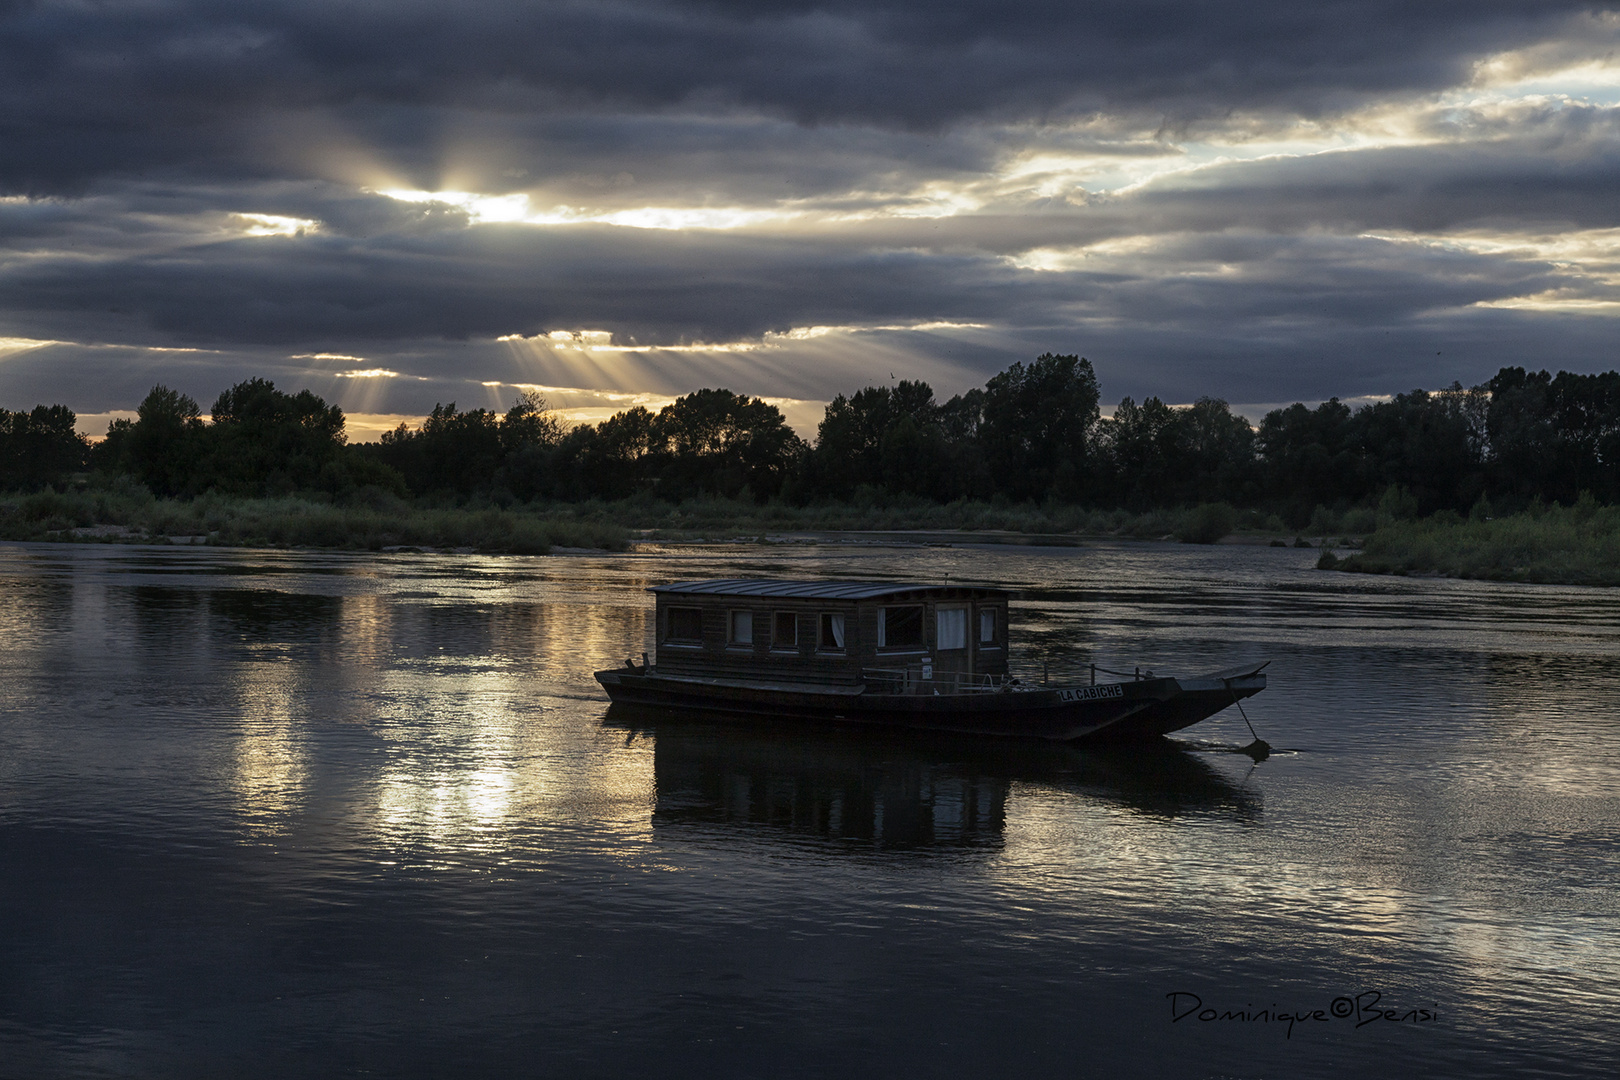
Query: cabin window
x=685, y=626
x=831, y=637
x=987, y=626
x=950, y=628
x=785, y=632
x=742, y=628
x=900, y=627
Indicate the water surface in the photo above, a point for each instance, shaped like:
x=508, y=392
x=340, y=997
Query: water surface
x=287, y=814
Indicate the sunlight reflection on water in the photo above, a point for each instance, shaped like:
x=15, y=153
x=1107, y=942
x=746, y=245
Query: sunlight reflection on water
x=274, y=813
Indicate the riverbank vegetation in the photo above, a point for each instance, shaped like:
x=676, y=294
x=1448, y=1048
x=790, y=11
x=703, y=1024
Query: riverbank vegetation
x=123, y=512
x=1549, y=544
x=718, y=518
x=1028, y=452
x=369, y=521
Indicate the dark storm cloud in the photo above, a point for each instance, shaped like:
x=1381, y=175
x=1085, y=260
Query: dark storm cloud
x=138, y=139
x=91, y=89
x=645, y=285
x=148, y=262
x=663, y=287
x=1557, y=165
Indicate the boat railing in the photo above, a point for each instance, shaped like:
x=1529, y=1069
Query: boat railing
x=1070, y=673
x=922, y=679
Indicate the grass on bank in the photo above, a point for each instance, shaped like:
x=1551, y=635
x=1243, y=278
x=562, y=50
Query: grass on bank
x=720, y=519
x=369, y=522
x=1546, y=544
x=1553, y=545
x=372, y=520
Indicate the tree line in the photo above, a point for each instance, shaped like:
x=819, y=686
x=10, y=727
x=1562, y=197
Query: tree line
x=1033, y=432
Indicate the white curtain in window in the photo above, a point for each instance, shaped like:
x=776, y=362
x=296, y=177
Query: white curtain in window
x=951, y=624
x=836, y=624
x=987, y=626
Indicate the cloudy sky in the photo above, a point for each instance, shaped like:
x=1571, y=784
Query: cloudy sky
x=402, y=202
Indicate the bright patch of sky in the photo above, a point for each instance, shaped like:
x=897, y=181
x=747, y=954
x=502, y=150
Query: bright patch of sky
x=1045, y=171
x=514, y=208
x=277, y=225
x=17, y=345
x=601, y=341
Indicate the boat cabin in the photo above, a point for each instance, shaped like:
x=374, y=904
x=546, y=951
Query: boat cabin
x=905, y=638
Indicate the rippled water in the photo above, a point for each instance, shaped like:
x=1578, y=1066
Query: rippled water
x=284, y=814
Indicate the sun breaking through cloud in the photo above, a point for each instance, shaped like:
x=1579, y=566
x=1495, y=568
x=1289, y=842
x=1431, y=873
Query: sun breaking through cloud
x=1213, y=200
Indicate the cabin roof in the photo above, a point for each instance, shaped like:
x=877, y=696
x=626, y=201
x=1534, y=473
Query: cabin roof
x=817, y=590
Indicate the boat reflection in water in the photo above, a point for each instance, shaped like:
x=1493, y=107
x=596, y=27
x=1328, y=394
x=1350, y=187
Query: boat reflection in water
x=900, y=792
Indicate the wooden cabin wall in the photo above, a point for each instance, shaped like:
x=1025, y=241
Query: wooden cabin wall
x=981, y=661
x=718, y=659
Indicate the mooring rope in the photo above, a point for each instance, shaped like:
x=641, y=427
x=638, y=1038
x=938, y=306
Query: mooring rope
x=1259, y=748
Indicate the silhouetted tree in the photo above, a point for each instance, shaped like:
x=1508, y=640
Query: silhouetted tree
x=897, y=439
x=453, y=452
x=1145, y=445
x=1309, y=457
x=529, y=423
x=1031, y=433
x=1037, y=425
x=1156, y=455
x=621, y=459
x=1220, y=451
x=39, y=447
x=1553, y=437
x=960, y=420
x=164, y=446
x=715, y=441
x=610, y=460
x=849, y=439
x=264, y=441
x=1430, y=444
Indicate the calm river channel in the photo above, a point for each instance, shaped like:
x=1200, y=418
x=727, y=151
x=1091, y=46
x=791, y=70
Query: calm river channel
x=272, y=814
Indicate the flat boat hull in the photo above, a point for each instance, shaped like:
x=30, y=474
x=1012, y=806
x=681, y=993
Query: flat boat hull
x=1126, y=710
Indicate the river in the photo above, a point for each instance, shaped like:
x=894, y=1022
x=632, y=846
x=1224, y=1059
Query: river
x=291, y=814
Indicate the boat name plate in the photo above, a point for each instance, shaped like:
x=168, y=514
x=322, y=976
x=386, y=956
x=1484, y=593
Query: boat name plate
x=1091, y=693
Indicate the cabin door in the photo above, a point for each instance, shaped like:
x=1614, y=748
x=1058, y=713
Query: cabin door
x=952, y=661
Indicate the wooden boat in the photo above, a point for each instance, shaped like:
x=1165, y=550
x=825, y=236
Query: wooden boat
x=895, y=655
